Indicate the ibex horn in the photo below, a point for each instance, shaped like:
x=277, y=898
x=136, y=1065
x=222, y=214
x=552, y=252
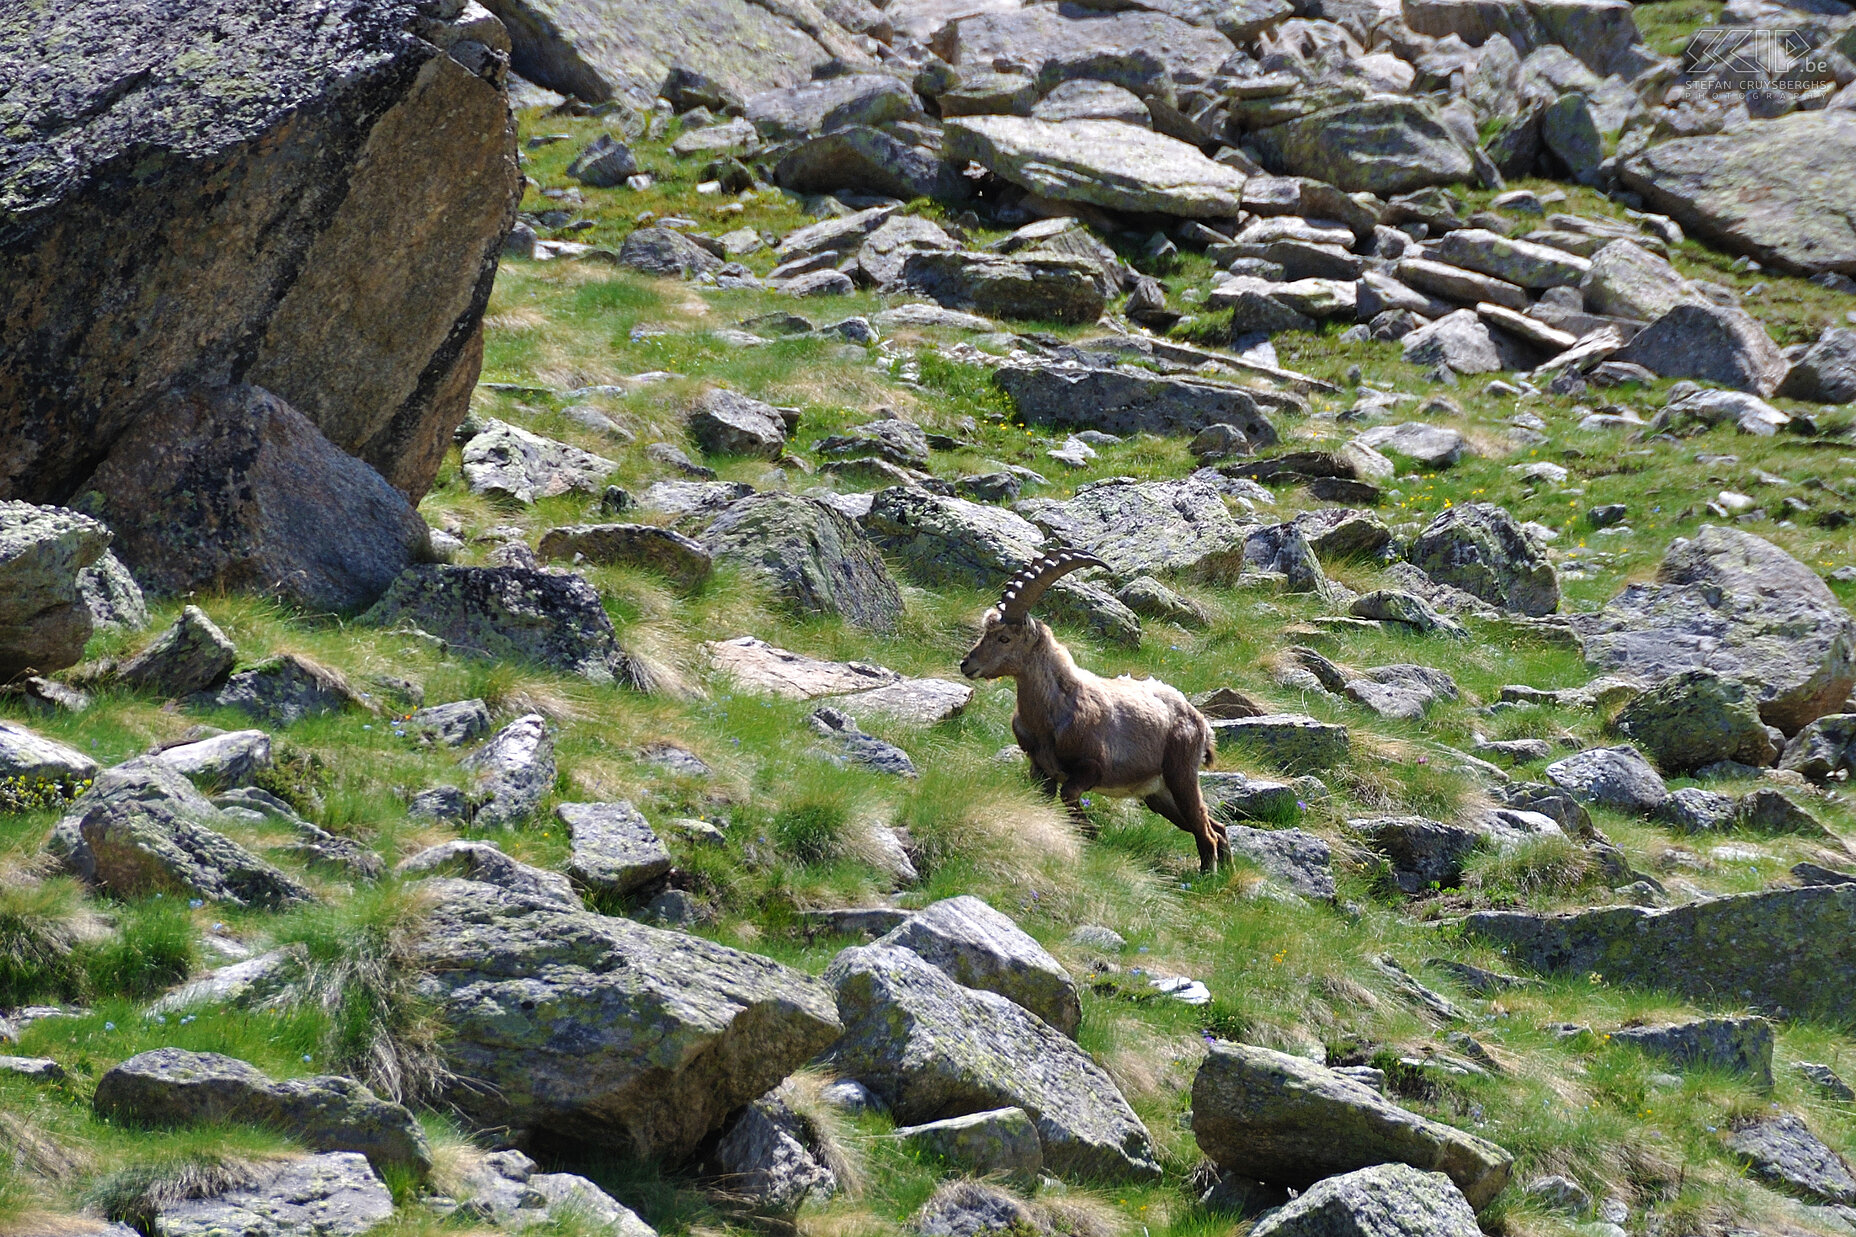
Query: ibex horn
x=1023, y=590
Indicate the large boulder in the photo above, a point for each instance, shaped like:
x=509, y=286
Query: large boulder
x=508, y=462
x=1774, y=189
x=1714, y=343
x=1143, y=526
x=1727, y=601
x=1742, y=1045
x=605, y=1030
x=1826, y=373
x=143, y=829
x=615, y=850
x=1041, y=287
x=1626, y=280
x=869, y=161
x=318, y=212
x=978, y=947
x=1269, y=1116
x=44, y=623
x=1618, y=778
x=228, y=488
x=684, y=561
x=1131, y=401
x=728, y=423
x=1479, y=548
x=549, y=618
x=809, y=108
x=334, y=1194
x=1383, y=145
x=171, y=1086
x=1387, y=1200
x=1696, y=718
x=1139, y=51
x=1782, y=951
x=1100, y=162
x=1520, y=262
x=812, y=555
x=931, y=1048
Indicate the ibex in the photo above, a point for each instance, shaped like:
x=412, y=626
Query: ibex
x=1125, y=738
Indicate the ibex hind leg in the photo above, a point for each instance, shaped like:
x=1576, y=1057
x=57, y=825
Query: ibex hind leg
x=1182, y=784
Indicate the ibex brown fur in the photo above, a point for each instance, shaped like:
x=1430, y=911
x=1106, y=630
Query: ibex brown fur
x=1124, y=738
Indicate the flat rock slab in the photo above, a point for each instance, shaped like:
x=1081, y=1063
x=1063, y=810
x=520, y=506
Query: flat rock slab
x=1300, y=861
x=1101, y=162
x=1132, y=401
x=1285, y=1120
x=979, y=947
x=1782, y=951
x=684, y=561
x=508, y=462
x=615, y=850
x=1144, y=526
x=1003, y=1140
x=334, y=1194
x=866, y=692
x=1290, y=741
x=29, y=755
x=918, y=702
x=1742, y=1045
x=1784, y=1152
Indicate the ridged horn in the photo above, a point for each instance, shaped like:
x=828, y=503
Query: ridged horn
x=1025, y=589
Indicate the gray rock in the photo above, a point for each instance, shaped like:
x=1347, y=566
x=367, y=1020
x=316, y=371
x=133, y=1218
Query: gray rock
x=484, y=863
x=614, y=847
x=453, y=724
x=171, y=1086
x=685, y=561
x=334, y=1194
x=851, y=746
x=1391, y=605
x=978, y=947
x=1712, y=343
x=790, y=112
x=1520, y=262
x=1822, y=748
x=44, y=622
x=1139, y=526
x=601, y=1029
x=142, y=828
x=1730, y=602
x=513, y=772
x=1286, y=1120
x=1561, y=1194
x=764, y=1158
x=1569, y=131
x=1784, y=1152
x=1234, y=797
x=1092, y=100
x=1740, y=1045
x=918, y=315
x=1696, y=718
x=281, y=691
x=223, y=760
x=37, y=1069
x=1400, y=691
x=725, y=423
x=190, y=656
x=1003, y=1140
x=1767, y=810
x=1425, y=854
x=1388, y=1200
x=666, y=252
x=931, y=1048
x=1826, y=373
x=1628, y=281
x=1149, y=598
x=1827, y=1081
x=370, y=177
x=1459, y=341
x=1384, y=145
x=902, y=443
x=869, y=160
x=970, y=1209
x=604, y=163
x=36, y=759
x=812, y=556
x=1618, y=778
x=1095, y=936
x=1288, y=740
x=111, y=594
x=1132, y=401
x=1100, y=162
x=1046, y=288
x=1479, y=548
x=504, y=461
x=505, y=1187
x=1779, y=951
x=1136, y=50
x=548, y=618
x=1429, y=446
x=1300, y=861
x=1694, y=810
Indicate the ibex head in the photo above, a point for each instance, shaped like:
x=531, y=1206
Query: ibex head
x=1012, y=639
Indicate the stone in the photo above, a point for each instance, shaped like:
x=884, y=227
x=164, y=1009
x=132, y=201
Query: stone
x=1131, y=401
x=322, y=217
x=977, y=947
x=667, y=253
x=1827, y=1081
x=820, y=106
x=1301, y=862
x=513, y=772
x=1459, y=341
x=1288, y=740
x=190, y=656
x=1728, y=601
x=1768, y=192
x=111, y=594
x=1425, y=854
x=37, y=760
x=334, y=1194
x=1767, y=810
x=1082, y=99
x=725, y=423
x=1428, y=446
x=1102, y=163
x=1391, y=605
x=1149, y=598
x=1776, y=951
x=1696, y=718
x=1618, y=778
x=1694, y=810
x=1822, y=748
x=1479, y=548
x=684, y=561
x=902, y=443
x=850, y=745
x=1383, y=145
x=809, y=554
x=547, y=618
x=222, y=760
x=142, y=828
x=44, y=622
x=282, y=691
x=485, y=863
x=505, y=1185
x=171, y=1086
x=921, y=316
x=614, y=848
x=1740, y=1045
x=1387, y=1200
x=931, y=1048
x=604, y=163
x=602, y=1029
x=1002, y=1140
x=868, y=160
x=1045, y=288
x=1626, y=280
x=38, y=1069
x=1514, y=261
x=764, y=1159
x=1561, y=1194
x=1826, y=373
x=967, y=1208
x=1233, y=797
x=1569, y=131
x=1712, y=343
x=1402, y=692
x=1136, y=526
x=453, y=724
x=1288, y=1121
x=760, y=666
x=1783, y=1152
x=503, y=461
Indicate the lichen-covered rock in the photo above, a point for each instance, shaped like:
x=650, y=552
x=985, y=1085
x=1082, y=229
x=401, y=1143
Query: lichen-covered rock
x=1004, y=1140
x=666, y=252
x=1387, y=1200
x=978, y=947
x=231, y=759
x=602, y=1029
x=1823, y=747
x=317, y=207
x=44, y=622
x=115, y=599
x=765, y=1158
x=1784, y=1152
x=1100, y=162
x=685, y=561
x=334, y=1194
x=1715, y=343
x=1040, y=287
x=1826, y=373
x=1290, y=741
x=1618, y=778
x=1727, y=601
x=1139, y=526
x=932, y=1048
x=229, y=487
x=1696, y=718
x=615, y=849
x=171, y=1086
x=1302, y=861
x=281, y=691
x=813, y=556
x=484, y=863
x=1782, y=951
x=784, y=113
x=1382, y=145
x=1131, y=401
x=1286, y=1120
x=552, y=619
x=727, y=423
x=869, y=160
x=505, y=1185
x=452, y=725
x=190, y=656
x=508, y=462
x=37, y=759
x=1425, y=854
x=513, y=772
x=1742, y=1045
x=1480, y=548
